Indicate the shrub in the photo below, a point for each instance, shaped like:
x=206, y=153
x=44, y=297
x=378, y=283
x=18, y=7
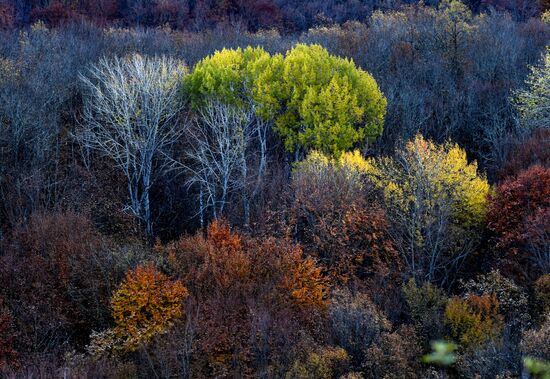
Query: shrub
x=535, y=151
x=48, y=280
x=512, y=299
x=356, y=323
x=146, y=304
x=6, y=16
x=535, y=341
x=8, y=355
x=395, y=355
x=492, y=360
x=335, y=222
x=256, y=298
x=542, y=293
x=55, y=14
x=426, y=305
x=324, y=363
x=475, y=320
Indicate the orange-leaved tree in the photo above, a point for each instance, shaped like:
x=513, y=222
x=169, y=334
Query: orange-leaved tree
x=257, y=298
x=146, y=304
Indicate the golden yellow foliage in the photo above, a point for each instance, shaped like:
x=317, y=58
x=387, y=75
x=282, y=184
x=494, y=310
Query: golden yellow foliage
x=146, y=304
x=321, y=364
x=436, y=202
x=475, y=320
x=443, y=169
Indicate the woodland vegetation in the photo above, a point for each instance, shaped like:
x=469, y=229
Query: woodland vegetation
x=274, y=189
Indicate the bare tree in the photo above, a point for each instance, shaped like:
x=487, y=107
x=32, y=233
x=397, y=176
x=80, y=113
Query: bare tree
x=131, y=115
x=225, y=143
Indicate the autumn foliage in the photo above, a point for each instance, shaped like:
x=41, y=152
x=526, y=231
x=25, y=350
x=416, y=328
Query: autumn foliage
x=535, y=151
x=475, y=320
x=49, y=270
x=8, y=355
x=146, y=304
x=335, y=221
x=55, y=14
x=331, y=188
x=243, y=286
x=519, y=218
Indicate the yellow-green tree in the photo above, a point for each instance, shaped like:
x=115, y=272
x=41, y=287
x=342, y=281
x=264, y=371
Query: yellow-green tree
x=316, y=100
x=226, y=76
x=436, y=202
x=319, y=101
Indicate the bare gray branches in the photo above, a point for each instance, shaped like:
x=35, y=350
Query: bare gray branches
x=131, y=114
x=225, y=142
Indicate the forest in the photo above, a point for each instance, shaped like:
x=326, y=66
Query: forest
x=343, y=189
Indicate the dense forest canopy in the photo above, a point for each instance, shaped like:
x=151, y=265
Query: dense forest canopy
x=274, y=189
x=251, y=15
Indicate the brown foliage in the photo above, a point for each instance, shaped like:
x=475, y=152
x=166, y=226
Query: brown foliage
x=167, y=12
x=6, y=15
x=518, y=217
x=41, y=262
x=54, y=14
x=252, y=296
x=356, y=323
x=535, y=341
x=513, y=300
x=534, y=151
x=334, y=222
x=56, y=279
x=8, y=355
x=542, y=293
x=426, y=306
x=253, y=14
x=396, y=355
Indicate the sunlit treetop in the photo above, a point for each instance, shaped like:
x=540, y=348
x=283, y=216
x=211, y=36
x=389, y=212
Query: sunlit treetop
x=227, y=75
x=320, y=101
x=443, y=170
x=315, y=100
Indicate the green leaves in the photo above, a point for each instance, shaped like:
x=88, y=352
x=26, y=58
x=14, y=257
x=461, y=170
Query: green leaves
x=227, y=75
x=537, y=368
x=315, y=100
x=319, y=101
x=442, y=354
